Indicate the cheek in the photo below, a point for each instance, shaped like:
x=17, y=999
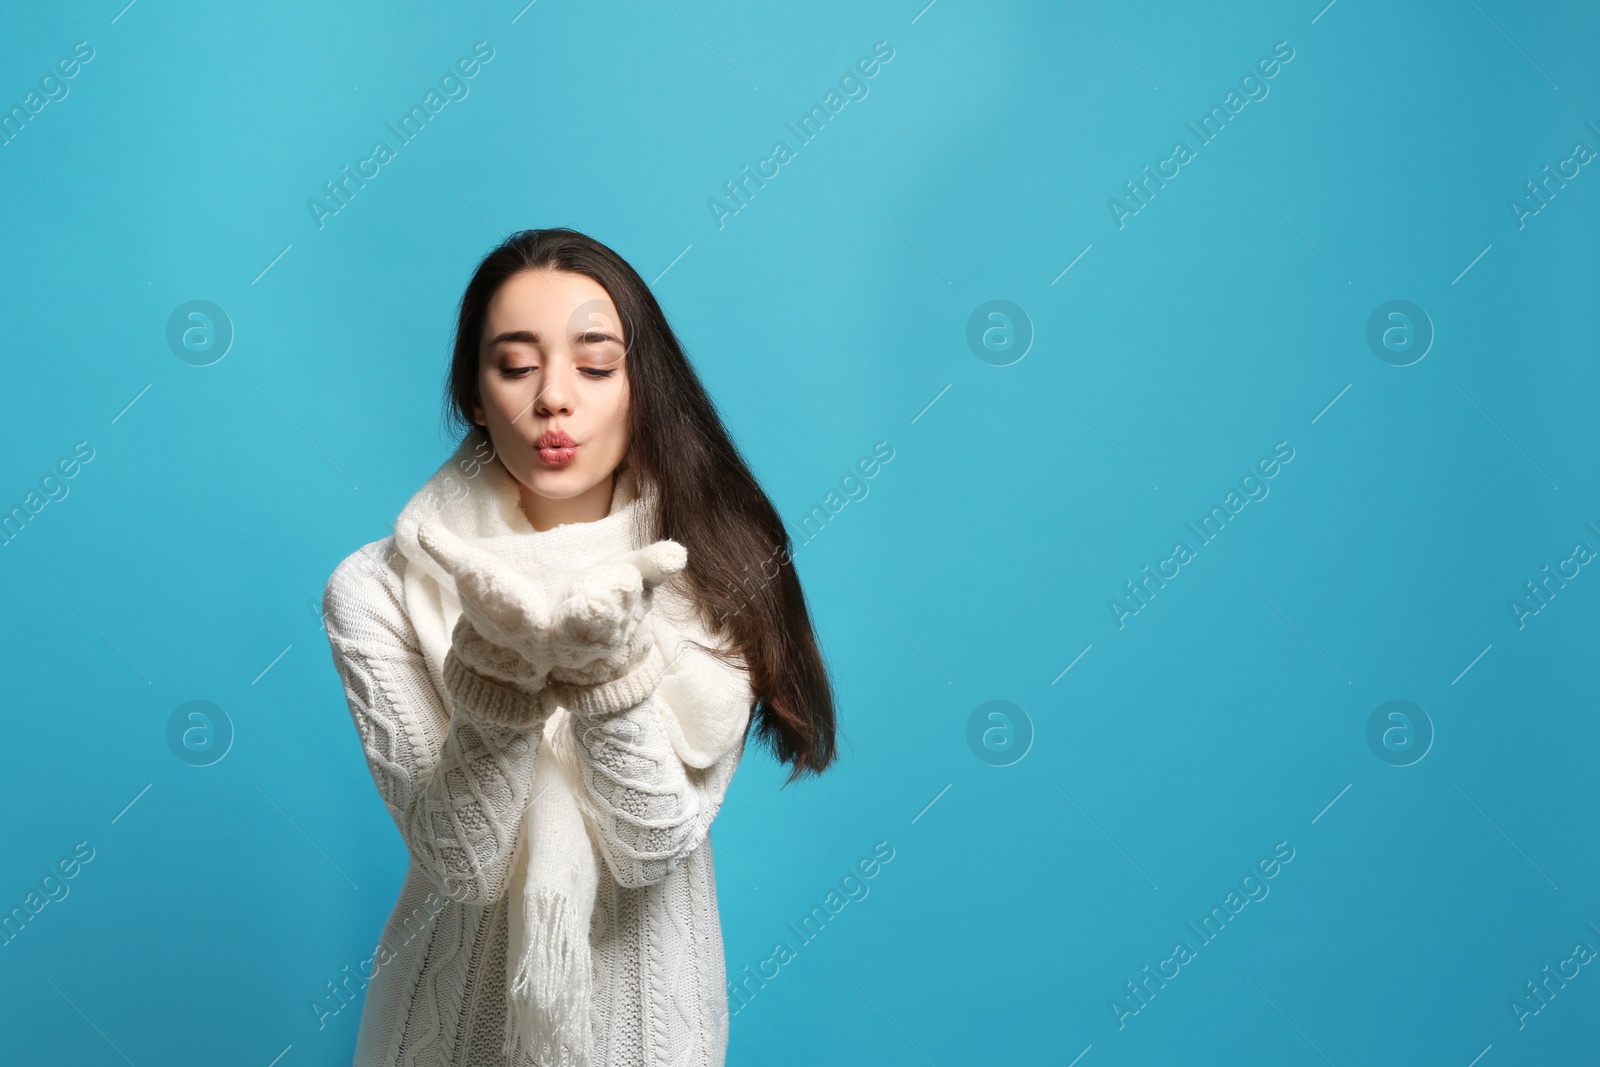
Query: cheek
x=617, y=418
x=500, y=399
x=488, y=397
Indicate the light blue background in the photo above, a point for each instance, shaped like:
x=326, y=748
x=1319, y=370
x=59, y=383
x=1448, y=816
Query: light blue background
x=830, y=314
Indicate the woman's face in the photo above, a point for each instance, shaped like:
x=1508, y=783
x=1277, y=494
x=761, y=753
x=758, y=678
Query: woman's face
x=551, y=362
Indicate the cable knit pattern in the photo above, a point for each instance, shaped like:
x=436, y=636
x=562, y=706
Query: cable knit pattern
x=455, y=772
x=637, y=794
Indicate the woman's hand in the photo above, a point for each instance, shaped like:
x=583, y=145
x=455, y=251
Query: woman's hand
x=597, y=630
x=504, y=631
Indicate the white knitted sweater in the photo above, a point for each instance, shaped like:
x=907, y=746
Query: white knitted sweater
x=457, y=787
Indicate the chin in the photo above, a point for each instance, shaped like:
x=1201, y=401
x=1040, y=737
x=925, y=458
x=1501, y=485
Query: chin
x=559, y=484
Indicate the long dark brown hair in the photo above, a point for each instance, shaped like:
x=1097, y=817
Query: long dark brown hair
x=740, y=574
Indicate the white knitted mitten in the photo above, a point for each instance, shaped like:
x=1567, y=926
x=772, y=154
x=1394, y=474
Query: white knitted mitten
x=604, y=656
x=504, y=630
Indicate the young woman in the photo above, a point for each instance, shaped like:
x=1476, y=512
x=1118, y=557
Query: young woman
x=553, y=665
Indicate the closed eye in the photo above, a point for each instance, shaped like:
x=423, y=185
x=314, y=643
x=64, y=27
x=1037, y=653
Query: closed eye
x=595, y=373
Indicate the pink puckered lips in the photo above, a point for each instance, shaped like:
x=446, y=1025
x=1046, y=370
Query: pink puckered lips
x=556, y=448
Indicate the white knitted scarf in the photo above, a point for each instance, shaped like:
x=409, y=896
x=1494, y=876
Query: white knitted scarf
x=704, y=704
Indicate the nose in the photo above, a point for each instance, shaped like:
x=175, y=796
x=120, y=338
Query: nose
x=555, y=392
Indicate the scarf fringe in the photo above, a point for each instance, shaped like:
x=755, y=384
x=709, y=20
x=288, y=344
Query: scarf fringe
x=552, y=987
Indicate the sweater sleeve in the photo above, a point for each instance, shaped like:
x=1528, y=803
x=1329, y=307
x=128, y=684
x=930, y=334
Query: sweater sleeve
x=454, y=778
x=649, y=809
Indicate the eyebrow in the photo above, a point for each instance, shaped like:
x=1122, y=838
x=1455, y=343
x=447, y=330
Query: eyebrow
x=527, y=337
x=531, y=337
